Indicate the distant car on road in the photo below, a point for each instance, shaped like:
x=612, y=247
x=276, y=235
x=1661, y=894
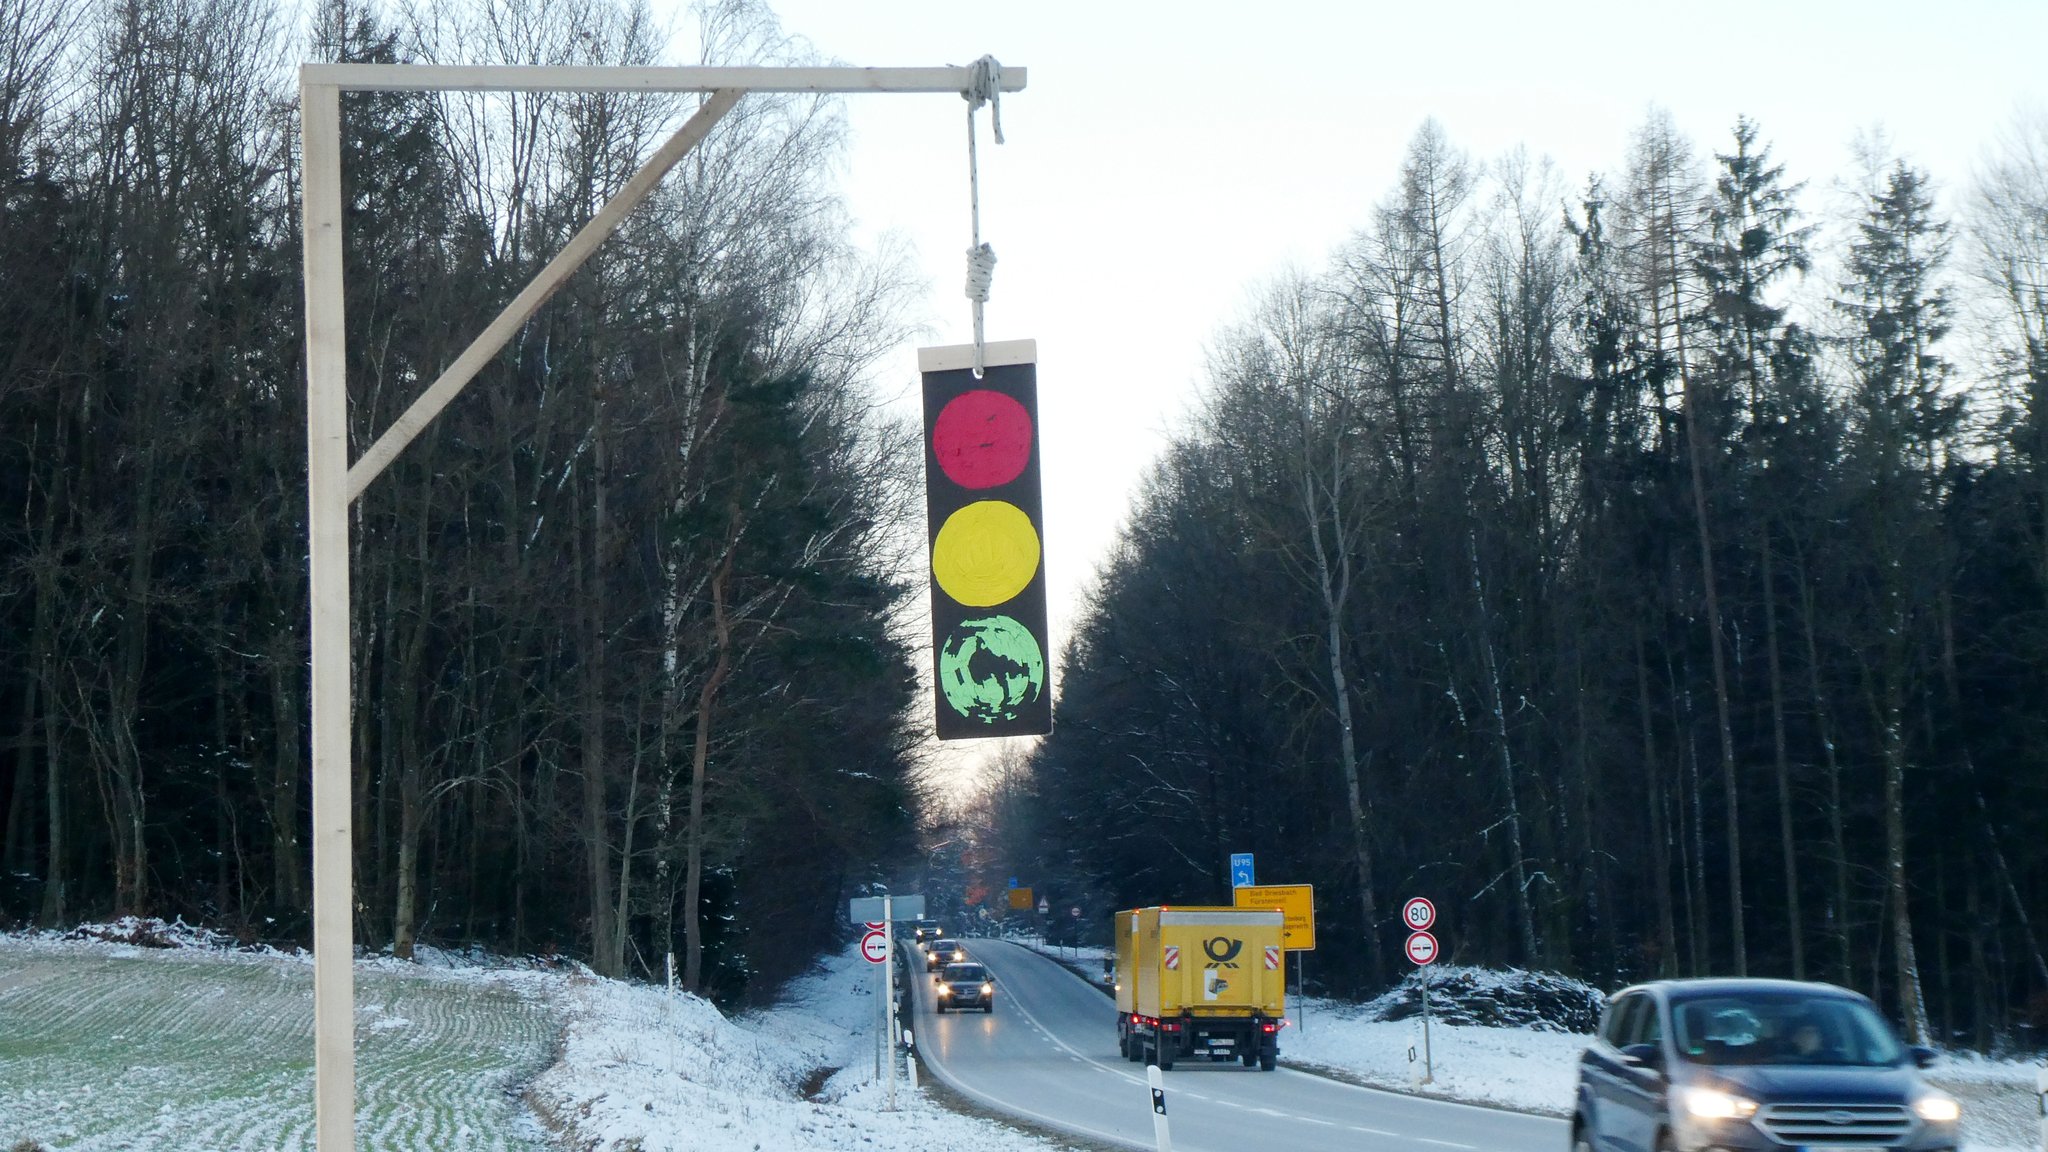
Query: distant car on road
x=964, y=986
x=928, y=931
x=1755, y=1066
x=942, y=953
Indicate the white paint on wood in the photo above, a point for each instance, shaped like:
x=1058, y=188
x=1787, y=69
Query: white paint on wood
x=953, y=357
x=327, y=498
x=543, y=78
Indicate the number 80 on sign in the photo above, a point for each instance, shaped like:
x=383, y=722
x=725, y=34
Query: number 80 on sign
x=1418, y=913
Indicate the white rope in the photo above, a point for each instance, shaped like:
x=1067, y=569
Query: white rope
x=985, y=88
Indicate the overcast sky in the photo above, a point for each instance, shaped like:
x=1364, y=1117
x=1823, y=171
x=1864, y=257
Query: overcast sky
x=1167, y=158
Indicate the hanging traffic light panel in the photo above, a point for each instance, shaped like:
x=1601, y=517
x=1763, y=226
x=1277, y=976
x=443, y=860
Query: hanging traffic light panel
x=991, y=657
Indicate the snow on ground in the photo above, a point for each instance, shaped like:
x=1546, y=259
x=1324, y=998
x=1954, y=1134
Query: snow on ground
x=648, y=1072
x=177, y=1042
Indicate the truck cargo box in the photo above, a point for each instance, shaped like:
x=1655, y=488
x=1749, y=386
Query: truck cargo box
x=1200, y=981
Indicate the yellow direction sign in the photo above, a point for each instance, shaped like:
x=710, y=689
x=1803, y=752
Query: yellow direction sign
x=1297, y=905
x=1020, y=898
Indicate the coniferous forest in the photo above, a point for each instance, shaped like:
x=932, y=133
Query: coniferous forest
x=625, y=616
x=1651, y=569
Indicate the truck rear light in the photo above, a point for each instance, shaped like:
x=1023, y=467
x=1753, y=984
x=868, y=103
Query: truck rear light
x=1269, y=1027
x=1171, y=1026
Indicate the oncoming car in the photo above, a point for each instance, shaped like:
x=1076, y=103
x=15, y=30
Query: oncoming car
x=942, y=953
x=964, y=986
x=1754, y=1066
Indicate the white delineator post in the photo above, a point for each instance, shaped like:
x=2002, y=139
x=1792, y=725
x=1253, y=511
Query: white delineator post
x=331, y=483
x=2041, y=1101
x=1161, y=1134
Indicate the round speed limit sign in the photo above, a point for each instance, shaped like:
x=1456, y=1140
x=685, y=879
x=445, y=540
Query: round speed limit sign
x=1418, y=913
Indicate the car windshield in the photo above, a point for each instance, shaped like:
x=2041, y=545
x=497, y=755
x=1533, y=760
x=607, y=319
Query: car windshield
x=1782, y=1029
x=965, y=973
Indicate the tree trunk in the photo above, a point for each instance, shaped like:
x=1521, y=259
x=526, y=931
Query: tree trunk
x=590, y=677
x=700, y=755
x=1335, y=589
x=1696, y=450
x=1837, y=841
x=405, y=917
x=1795, y=924
x=1518, y=868
x=1660, y=838
x=1912, y=1007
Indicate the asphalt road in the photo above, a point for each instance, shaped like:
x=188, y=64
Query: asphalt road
x=1047, y=1054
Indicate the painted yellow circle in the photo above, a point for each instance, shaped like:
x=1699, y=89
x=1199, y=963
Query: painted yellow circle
x=985, y=554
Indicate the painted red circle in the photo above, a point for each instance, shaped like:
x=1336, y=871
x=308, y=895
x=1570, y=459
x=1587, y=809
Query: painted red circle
x=982, y=439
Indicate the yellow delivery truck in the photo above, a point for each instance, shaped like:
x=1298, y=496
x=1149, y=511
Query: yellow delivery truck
x=1200, y=982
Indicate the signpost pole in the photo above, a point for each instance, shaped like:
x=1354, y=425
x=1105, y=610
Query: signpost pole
x=1301, y=991
x=889, y=999
x=1428, y=1064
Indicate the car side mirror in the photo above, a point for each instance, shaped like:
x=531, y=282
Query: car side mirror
x=1643, y=1056
x=1924, y=1057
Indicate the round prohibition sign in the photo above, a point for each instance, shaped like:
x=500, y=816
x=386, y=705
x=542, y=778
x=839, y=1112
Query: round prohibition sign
x=874, y=947
x=1418, y=913
x=1422, y=948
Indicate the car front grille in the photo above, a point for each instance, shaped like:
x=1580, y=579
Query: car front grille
x=1824, y=1124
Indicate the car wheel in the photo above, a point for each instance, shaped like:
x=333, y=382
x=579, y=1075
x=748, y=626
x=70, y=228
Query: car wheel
x=940, y=1008
x=1580, y=1141
x=1269, y=1059
x=1665, y=1143
x=1163, y=1054
x=1123, y=1043
x=989, y=1008
x=1248, y=1057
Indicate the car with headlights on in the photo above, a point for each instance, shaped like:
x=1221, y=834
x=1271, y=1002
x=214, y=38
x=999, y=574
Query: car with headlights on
x=942, y=953
x=965, y=986
x=1755, y=1066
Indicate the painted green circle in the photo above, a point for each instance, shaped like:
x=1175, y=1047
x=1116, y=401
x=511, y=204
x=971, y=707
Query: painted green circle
x=990, y=667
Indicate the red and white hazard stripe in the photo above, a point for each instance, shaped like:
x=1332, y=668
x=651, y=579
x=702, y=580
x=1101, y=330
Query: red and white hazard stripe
x=1272, y=959
x=1172, y=956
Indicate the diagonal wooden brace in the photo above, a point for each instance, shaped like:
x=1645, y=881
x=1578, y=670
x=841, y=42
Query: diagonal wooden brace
x=458, y=375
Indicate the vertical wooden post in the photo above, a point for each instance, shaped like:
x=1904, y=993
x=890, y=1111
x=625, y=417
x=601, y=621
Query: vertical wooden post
x=327, y=526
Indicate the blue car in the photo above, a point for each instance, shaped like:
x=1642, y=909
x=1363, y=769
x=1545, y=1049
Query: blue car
x=1755, y=1066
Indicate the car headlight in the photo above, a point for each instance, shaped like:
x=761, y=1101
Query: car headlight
x=1710, y=1104
x=945, y=990
x=987, y=988
x=1938, y=1108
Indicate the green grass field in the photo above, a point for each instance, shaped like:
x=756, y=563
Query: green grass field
x=125, y=1048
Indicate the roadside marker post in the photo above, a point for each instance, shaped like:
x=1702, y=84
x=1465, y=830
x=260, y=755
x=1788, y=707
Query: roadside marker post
x=1160, y=1132
x=910, y=1064
x=2041, y=1101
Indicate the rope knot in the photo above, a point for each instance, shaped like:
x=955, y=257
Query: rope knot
x=981, y=269
x=986, y=87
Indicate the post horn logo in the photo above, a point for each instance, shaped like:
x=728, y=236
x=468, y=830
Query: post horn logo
x=1223, y=950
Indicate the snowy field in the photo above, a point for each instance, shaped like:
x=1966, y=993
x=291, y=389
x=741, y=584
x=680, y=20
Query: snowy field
x=112, y=1046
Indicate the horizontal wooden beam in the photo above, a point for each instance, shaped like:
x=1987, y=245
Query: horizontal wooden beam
x=537, y=78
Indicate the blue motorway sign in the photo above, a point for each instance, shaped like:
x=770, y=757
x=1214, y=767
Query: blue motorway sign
x=1241, y=870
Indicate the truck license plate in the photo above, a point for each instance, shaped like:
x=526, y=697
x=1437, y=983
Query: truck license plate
x=1214, y=1043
